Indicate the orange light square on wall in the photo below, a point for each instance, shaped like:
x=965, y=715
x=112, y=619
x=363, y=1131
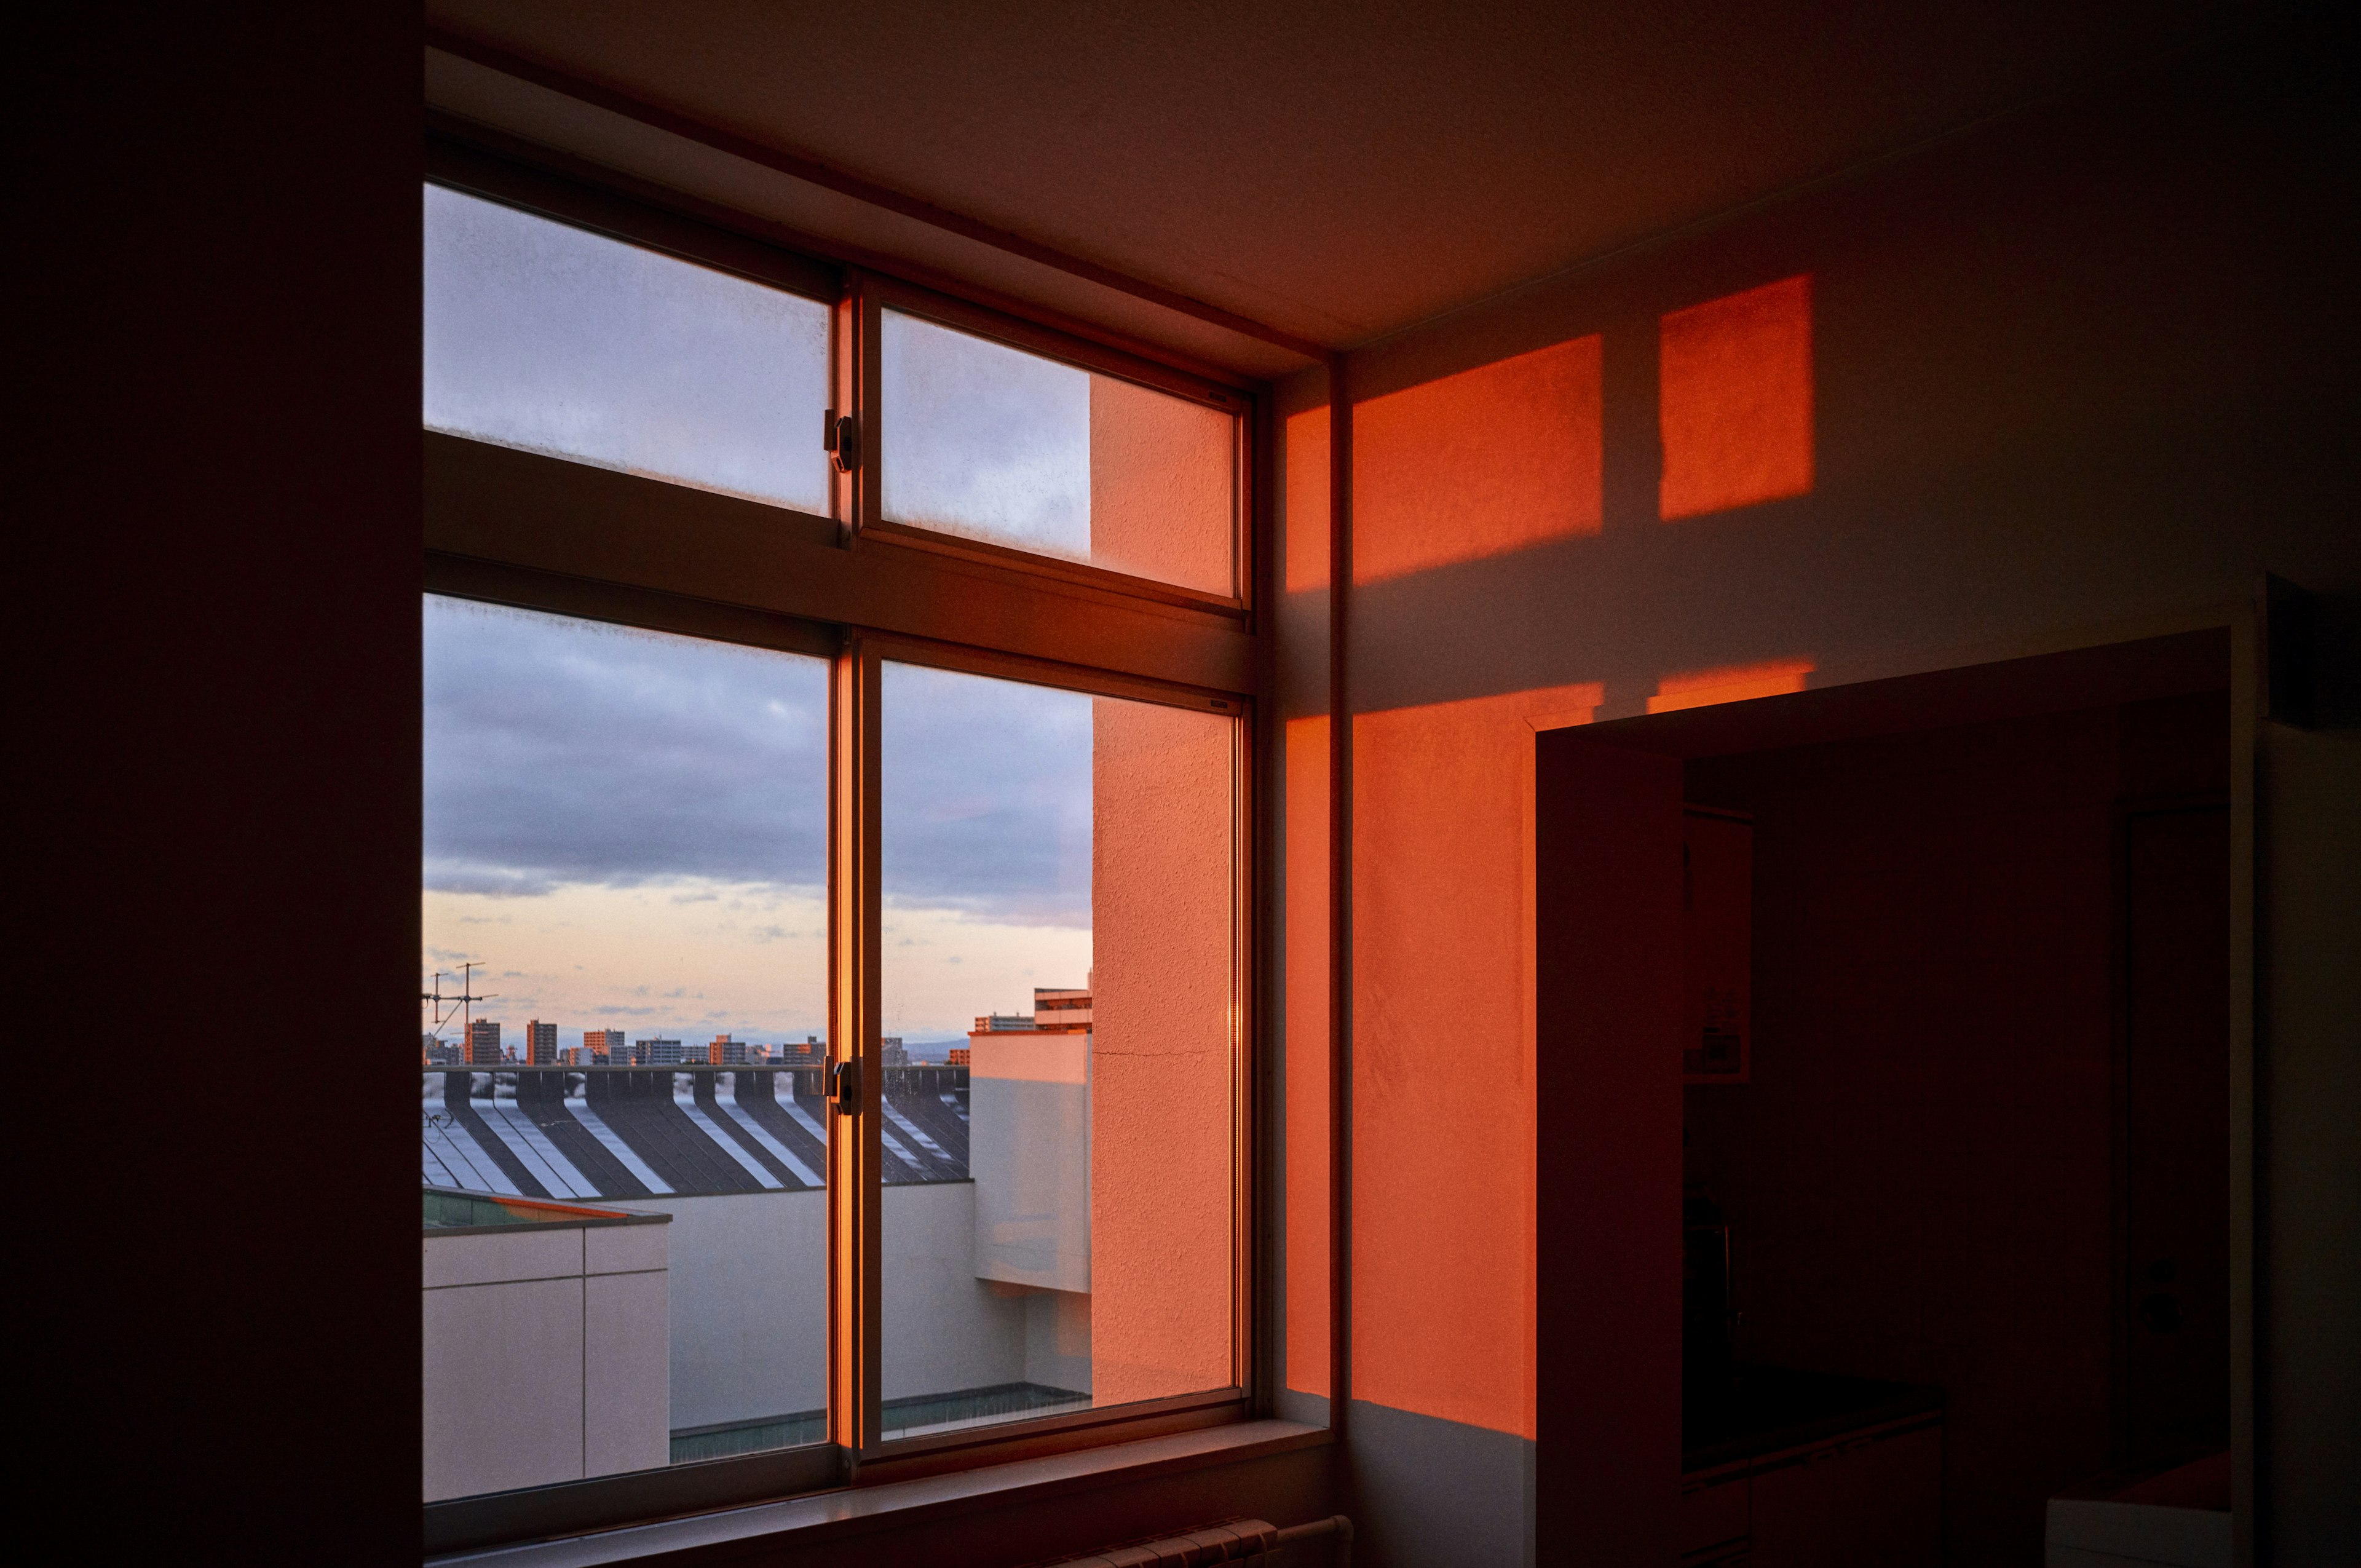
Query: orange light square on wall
x=1304, y=498
x=1482, y=463
x=1734, y=400
x=1734, y=682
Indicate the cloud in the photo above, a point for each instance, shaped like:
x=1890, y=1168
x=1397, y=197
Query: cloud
x=532, y=327
x=562, y=752
x=986, y=440
x=442, y=874
x=568, y=752
x=986, y=789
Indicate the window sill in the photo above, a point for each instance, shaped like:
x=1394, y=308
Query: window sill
x=851, y=1512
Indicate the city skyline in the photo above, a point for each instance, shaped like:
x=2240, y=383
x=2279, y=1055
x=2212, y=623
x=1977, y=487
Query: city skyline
x=446, y=1019
x=974, y=968
x=625, y=829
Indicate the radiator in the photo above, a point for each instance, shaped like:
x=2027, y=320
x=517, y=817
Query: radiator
x=1239, y=1541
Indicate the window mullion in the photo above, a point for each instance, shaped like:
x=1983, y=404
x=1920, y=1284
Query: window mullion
x=855, y=1064
x=855, y=373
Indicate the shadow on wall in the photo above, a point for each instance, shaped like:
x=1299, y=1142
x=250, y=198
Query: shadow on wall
x=2065, y=373
x=1442, y=799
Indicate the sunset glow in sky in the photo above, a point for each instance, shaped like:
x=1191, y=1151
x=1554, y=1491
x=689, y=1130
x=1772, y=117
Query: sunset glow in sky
x=624, y=828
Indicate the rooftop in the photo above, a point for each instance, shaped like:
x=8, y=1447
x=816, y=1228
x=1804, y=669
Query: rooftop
x=552, y=1133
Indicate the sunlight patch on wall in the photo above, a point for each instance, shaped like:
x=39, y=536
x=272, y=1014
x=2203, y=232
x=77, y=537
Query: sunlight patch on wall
x=1307, y=1056
x=1443, y=1070
x=1491, y=460
x=1732, y=682
x=1735, y=401
x=1305, y=564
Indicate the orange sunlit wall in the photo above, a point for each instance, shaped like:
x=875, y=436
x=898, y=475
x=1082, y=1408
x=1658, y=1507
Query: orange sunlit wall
x=1162, y=894
x=1482, y=463
x=1732, y=682
x=1307, y=1046
x=1162, y=477
x=1487, y=461
x=1305, y=771
x=1443, y=1119
x=1734, y=400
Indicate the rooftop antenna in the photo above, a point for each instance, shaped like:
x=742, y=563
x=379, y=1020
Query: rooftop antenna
x=462, y=1001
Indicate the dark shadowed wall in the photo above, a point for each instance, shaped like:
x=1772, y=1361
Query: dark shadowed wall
x=1920, y=1175
x=2092, y=365
x=218, y=570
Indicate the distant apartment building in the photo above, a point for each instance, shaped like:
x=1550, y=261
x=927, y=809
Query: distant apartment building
x=960, y=1055
x=657, y=1052
x=891, y=1052
x=806, y=1052
x=1068, y=1011
x=724, y=1051
x=1061, y=1012
x=540, y=1045
x=607, y=1046
x=483, y=1042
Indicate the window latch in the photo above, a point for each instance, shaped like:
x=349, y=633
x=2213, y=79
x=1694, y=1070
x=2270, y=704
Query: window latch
x=844, y=1088
x=840, y=436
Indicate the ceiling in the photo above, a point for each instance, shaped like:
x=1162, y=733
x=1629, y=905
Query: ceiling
x=1338, y=171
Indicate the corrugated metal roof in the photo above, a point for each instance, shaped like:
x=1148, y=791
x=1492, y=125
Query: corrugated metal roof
x=640, y=1134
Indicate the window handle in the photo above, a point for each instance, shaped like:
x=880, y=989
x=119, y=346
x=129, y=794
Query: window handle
x=844, y=1088
x=841, y=436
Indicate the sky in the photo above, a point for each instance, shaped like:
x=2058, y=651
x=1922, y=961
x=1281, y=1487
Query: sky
x=542, y=336
x=545, y=337
x=626, y=830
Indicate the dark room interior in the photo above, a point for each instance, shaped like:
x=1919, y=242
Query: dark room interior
x=1636, y=733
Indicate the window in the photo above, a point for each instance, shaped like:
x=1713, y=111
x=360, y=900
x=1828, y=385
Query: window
x=995, y=443
x=546, y=338
x=624, y=891
x=1069, y=861
x=836, y=970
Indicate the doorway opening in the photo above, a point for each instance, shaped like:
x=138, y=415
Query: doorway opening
x=1934, y=990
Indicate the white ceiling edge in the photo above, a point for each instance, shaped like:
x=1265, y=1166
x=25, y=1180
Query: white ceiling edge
x=630, y=148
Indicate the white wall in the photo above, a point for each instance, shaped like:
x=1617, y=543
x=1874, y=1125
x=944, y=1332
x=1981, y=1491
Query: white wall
x=748, y=1288
x=1029, y=1151
x=545, y=1356
x=1058, y=1340
x=749, y=1305
x=944, y=1329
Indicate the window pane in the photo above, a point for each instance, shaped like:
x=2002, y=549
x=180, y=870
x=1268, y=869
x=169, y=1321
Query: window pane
x=1058, y=906
x=545, y=337
x=998, y=444
x=623, y=1145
